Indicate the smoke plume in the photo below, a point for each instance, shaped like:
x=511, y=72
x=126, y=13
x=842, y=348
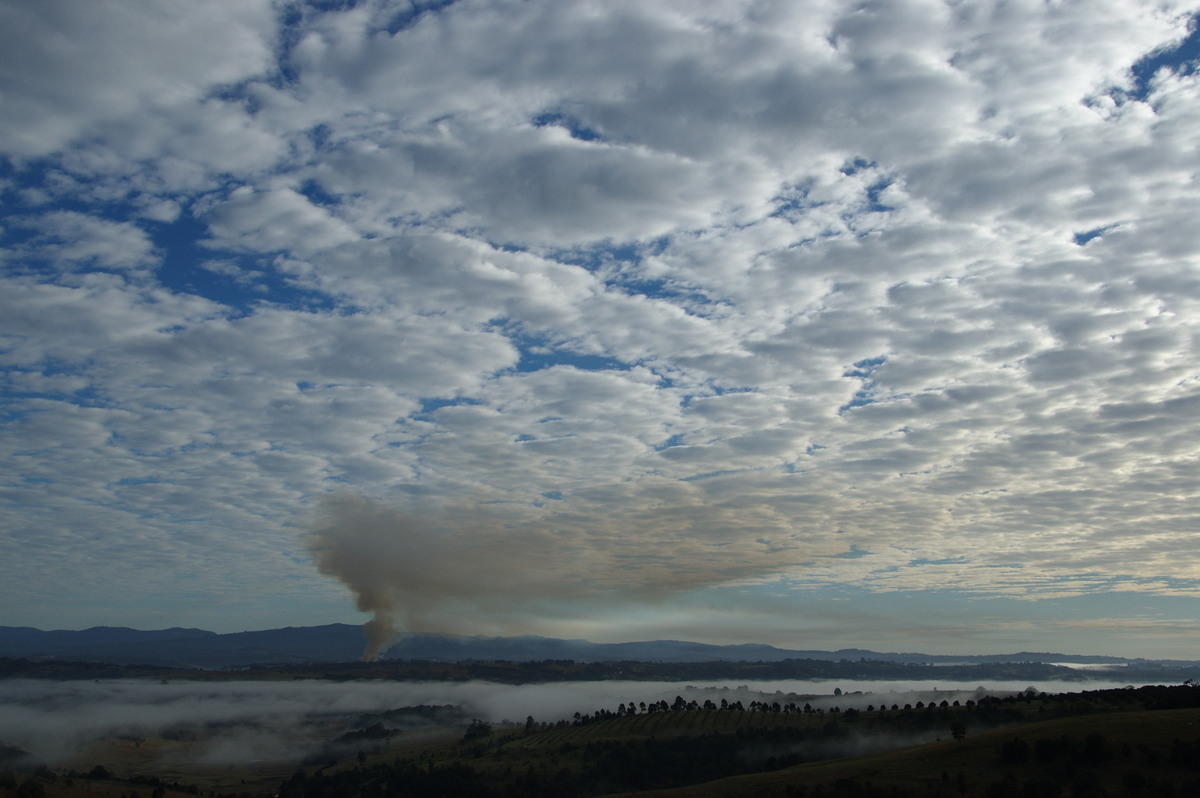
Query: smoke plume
x=444, y=572
x=460, y=571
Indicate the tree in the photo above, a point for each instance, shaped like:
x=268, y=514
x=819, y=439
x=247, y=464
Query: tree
x=477, y=729
x=958, y=730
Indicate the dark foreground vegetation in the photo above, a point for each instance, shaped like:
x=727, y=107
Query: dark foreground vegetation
x=1127, y=742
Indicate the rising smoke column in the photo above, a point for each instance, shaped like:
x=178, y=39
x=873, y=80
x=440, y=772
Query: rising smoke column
x=377, y=555
x=341, y=549
x=450, y=572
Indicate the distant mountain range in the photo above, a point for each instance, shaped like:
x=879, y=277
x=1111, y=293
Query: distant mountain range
x=186, y=648
x=197, y=648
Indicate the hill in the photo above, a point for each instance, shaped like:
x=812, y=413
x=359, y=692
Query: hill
x=185, y=648
x=197, y=648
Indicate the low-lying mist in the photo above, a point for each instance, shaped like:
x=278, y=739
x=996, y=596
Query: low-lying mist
x=235, y=722
x=230, y=722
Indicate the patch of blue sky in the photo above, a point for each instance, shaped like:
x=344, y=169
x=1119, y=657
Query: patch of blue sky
x=874, y=192
x=1182, y=59
x=863, y=370
x=708, y=388
x=417, y=11
x=670, y=443
x=293, y=15
x=430, y=406
x=1096, y=232
x=574, y=127
x=236, y=280
x=320, y=137
x=242, y=93
x=40, y=175
x=311, y=189
x=793, y=200
x=690, y=299
x=619, y=265
x=538, y=354
x=232, y=279
x=855, y=552
x=85, y=395
x=547, y=358
x=291, y=33
x=37, y=188
x=851, y=168
x=722, y=390
x=330, y=5
x=608, y=258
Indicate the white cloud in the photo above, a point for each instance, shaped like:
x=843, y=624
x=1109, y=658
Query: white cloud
x=70, y=69
x=275, y=220
x=72, y=241
x=716, y=290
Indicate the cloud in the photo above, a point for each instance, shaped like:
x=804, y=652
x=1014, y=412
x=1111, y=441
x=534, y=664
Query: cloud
x=702, y=295
x=73, y=241
x=71, y=71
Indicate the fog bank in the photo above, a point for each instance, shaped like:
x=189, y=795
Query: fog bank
x=266, y=720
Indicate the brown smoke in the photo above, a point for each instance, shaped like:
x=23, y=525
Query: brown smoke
x=443, y=572
x=458, y=570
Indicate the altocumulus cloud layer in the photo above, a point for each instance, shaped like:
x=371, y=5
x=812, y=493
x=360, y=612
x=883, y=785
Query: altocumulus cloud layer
x=698, y=319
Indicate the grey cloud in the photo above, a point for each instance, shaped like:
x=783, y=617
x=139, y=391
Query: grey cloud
x=270, y=221
x=72, y=240
x=71, y=69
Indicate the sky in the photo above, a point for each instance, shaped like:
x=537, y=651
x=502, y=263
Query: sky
x=813, y=323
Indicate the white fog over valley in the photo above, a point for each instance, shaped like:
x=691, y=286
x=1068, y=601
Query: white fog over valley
x=237, y=722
